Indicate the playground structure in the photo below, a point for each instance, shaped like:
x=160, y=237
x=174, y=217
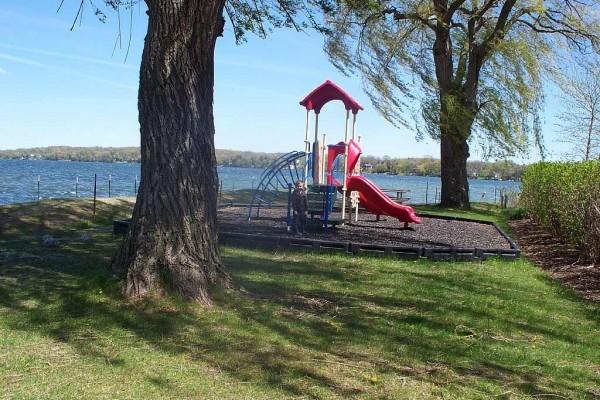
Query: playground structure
x=316, y=163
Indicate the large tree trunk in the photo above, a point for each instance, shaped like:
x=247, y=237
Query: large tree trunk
x=454, y=149
x=455, y=129
x=458, y=109
x=454, y=152
x=172, y=242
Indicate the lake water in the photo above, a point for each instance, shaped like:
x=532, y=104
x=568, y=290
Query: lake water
x=20, y=180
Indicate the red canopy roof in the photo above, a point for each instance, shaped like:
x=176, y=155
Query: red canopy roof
x=325, y=93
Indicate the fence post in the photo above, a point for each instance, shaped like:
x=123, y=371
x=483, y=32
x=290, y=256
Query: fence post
x=135, y=187
x=109, y=179
x=38, y=187
x=94, y=209
x=76, y=186
x=426, y=191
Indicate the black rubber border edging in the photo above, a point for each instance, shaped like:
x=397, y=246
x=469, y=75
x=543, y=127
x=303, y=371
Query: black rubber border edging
x=272, y=242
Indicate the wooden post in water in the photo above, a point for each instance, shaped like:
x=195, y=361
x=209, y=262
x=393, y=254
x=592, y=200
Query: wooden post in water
x=76, y=186
x=94, y=209
x=426, y=191
x=436, y=192
x=221, y=191
x=38, y=185
x=109, y=179
x=135, y=186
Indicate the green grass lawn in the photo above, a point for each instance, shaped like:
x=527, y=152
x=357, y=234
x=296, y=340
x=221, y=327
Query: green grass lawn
x=305, y=325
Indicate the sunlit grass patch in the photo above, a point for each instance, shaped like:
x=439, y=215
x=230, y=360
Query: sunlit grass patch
x=301, y=325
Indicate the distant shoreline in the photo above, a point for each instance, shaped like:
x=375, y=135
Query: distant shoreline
x=250, y=167
x=425, y=166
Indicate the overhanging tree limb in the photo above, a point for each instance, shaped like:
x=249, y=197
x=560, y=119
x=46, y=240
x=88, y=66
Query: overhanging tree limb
x=480, y=66
x=399, y=16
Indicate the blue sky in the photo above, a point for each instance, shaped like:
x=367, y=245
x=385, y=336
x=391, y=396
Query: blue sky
x=63, y=87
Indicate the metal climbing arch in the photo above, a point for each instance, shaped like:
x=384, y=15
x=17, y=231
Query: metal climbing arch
x=276, y=179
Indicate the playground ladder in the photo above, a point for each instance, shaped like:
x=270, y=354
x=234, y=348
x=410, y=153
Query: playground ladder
x=276, y=179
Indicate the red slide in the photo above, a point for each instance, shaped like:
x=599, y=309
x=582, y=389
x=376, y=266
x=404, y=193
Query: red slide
x=379, y=203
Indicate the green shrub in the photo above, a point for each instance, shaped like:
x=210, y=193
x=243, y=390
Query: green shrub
x=565, y=198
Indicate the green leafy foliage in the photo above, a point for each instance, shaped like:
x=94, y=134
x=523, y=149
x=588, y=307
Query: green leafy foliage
x=475, y=69
x=563, y=196
x=235, y=158
x=427, y=166
x=102, y=154
x=261, y=16
x=232, y=158
x=393, y=55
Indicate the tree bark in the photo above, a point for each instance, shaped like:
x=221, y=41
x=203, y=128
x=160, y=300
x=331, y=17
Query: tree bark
x=454, y=152
x=454, y=149
x=590, y=134
x=458, y=108
x=455, y=129
x=172, y=243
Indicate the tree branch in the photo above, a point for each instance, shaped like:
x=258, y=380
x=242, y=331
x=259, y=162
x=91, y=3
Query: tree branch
x=261, y=27
x=499, y=30
x=60, y=5
x=79, y=14
x=130, y=32
x=447, y=19
x=479, y=13
x=282, y=4
x=573, y=35
x=236, y=30
x=398, y=16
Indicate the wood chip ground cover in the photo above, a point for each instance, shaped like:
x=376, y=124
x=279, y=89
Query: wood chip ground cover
x=431, y=233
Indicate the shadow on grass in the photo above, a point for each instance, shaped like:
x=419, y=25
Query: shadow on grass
x=308, y=325
x=49, y=216
x=380, y=322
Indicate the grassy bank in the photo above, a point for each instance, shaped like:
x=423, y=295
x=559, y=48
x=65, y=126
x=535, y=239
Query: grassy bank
x=307, y=325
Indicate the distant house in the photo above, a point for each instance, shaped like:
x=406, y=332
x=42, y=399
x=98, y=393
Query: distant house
x=367, y=167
